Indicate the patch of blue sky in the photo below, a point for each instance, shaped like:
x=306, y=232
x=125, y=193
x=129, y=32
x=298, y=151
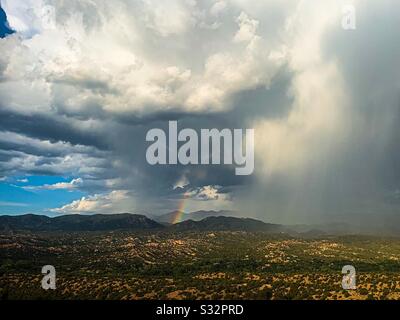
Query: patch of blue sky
x=4, y=27
x=16, y=198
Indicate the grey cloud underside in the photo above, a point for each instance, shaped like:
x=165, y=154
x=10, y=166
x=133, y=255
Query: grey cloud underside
x=122, y=137
x=49, y=127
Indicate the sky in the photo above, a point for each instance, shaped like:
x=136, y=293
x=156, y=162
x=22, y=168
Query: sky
x=81, y=83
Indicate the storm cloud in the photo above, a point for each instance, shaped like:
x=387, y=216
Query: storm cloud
x=81, y=83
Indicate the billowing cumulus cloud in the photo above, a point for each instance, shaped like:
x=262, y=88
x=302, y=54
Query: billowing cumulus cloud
x=99, y=57
x=81, y=82
x=73, y=184
x=204, y=193
x=113, y=202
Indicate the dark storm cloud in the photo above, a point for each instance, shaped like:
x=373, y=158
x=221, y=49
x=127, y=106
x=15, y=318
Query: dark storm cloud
x=125, y=135
x=78, y=96
x=10, y=146
x=50, y=128
x=221, y=79
x=367, y=58
x=129, y=142
x=357, y=182
x=264, y=102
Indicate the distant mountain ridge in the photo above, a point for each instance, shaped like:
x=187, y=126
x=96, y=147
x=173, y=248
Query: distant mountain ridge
x=127, y=221
x=138, y=222
x=97, y=222
x=195, y=216
x=222, y=223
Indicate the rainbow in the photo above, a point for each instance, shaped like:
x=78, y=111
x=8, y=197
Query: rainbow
x=180, y=212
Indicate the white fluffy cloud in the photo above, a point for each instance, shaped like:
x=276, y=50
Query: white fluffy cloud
x=181, y=183
x=116, y=201
x=205, y=193
x=73, y=184
x=115, y=56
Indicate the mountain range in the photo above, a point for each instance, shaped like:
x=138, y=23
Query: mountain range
x=195, y=221
x=76, y=222
x=223, y=223
x=169, y=217
x=126, y=221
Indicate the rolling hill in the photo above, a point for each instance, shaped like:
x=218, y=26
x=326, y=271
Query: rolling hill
x=98, y=222
x=195, y=216
x=127, y=221
x=223, y=223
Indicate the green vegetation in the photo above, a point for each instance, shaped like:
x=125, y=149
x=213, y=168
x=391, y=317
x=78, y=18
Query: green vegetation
x=196, y=265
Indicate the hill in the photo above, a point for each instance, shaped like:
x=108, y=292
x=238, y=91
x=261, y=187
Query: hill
x=97, y=222
x=195, y=216
x=226, y=223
